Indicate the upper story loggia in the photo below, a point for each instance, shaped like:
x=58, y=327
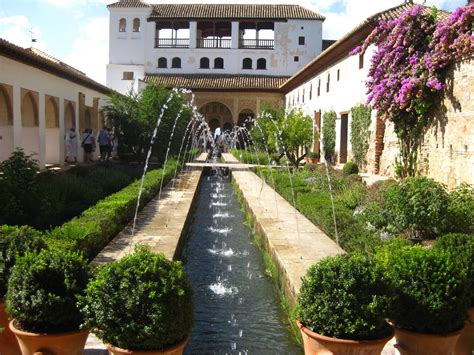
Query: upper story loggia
x=286, y=36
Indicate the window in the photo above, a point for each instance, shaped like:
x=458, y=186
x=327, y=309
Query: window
x=122, y=25
x=310, y=91
x=296, y=58
x=218, y=63
x=304, y=94
x=338, y=74
x=261, y=63
x=247, y=63
x=176, y=62
x=301, y=40
x=127, y=75
x=136, y=24
x=162, y=62
x=361, y=61
x=328, y=82
x=319, y=87
x=204, y=63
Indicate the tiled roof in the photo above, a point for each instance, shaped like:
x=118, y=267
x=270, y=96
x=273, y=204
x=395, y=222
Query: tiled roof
x=128, y=3
x=217, y=81
x=43, y=61
x=233, y=11
x=350, y=40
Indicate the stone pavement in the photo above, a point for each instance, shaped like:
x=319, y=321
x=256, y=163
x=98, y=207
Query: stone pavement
x=159, y=225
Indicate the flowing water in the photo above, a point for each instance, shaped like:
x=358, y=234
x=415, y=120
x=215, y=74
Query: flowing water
x=236, y=305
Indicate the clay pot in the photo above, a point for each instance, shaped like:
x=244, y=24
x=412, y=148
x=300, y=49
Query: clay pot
x=71, y=343
x=315, y=344
x=465, y=344
x=8, y=343
x=172, y=350
x=413, y=343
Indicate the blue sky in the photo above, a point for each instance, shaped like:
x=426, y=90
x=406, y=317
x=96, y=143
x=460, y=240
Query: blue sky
x=76, y=31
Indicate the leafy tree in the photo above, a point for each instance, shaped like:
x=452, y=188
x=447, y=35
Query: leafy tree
x=360, y=134
x=135, y=117
x=329, y=135
x=408, y=71
x=286, y=133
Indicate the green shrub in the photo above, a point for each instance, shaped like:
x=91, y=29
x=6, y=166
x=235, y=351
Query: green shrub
x=350, y=168
x=429, y=288
x=141, y=302
x=42, y=291
x=360, y=133
x=460, y=214
x=14, y=243
x=313, y=155
x=344, y=297
x=251, y=157
x=417, y=206
x=461, y=247
x=95, y=227
x=329, y=135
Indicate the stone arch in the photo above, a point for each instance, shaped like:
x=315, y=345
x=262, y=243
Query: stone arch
x=6, y=112
x=52, y=113
x=69, y=116
x=244, y=116
x=213, y=124
x=215, y=110
x=29, y=111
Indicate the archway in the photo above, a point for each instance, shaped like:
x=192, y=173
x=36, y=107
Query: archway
x=217, y=115
x=6, y=124
x=69, y=116
x=29, y=122
x=52, y=131
x=245, y=118
x=87, y=118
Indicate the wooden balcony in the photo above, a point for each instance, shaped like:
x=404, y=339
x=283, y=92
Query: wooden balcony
x=172, y=42
x=214, y=43
x=257, y=43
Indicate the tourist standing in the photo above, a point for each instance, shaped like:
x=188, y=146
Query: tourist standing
x=70, y=141
x=103, y=140
x=88, y=143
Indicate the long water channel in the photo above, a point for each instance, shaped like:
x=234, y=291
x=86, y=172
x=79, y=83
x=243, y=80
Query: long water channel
x=236, y=306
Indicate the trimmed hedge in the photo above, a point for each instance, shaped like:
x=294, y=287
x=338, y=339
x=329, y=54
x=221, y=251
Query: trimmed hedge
x=247, y=157
x=95, y=227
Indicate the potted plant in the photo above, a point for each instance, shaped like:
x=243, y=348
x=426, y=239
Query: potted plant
x=42, y=299
x=461, y=247
x=341, y=307
x=312, y=157
x=430, y=298
x=139, y=303
x=14, y=242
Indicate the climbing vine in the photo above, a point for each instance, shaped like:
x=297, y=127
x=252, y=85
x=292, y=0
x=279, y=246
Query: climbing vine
x=360, y=133
x=408, y=70
x=329, y=135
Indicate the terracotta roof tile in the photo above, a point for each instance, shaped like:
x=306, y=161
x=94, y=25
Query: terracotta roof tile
x=217, y=81
x=128, y=3
x=44, y=61
x=232, y=11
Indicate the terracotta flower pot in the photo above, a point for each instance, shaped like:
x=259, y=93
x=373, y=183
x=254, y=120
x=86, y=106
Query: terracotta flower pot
x=315, y=344
x=413, y=343
x=172, y=350
x=465, y=344
x=8, y=343
x=71, y=343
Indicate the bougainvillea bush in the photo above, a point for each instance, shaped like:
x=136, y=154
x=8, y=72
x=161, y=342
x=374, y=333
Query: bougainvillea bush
x=407, y=73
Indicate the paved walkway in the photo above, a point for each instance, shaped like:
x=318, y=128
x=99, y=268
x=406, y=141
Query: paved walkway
x=159, y=225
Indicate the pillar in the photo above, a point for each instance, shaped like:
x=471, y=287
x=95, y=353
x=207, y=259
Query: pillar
x=80, y=151
x=235, y=35
x=42, y=129
x=192, y=34
x=61, y=131
x=17, y=128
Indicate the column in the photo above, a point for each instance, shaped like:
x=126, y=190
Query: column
x=61, y=131
x=235, y=35
x=80, y=151
x=42, y=129
x=17, y=128
x=192, y=34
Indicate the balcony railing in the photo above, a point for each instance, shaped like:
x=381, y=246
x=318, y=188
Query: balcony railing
x=171, y=42
x=257, y=43
x=214, y=43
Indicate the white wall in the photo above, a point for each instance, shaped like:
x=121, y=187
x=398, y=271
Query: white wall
x=130, y=51
x=37, y=139
x=344, y=94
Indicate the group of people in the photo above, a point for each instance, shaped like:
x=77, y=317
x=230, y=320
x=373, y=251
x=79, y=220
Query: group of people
x=105, y=139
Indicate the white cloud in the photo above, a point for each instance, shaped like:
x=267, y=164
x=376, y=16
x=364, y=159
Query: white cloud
x=89, y=51
x=16, y=29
